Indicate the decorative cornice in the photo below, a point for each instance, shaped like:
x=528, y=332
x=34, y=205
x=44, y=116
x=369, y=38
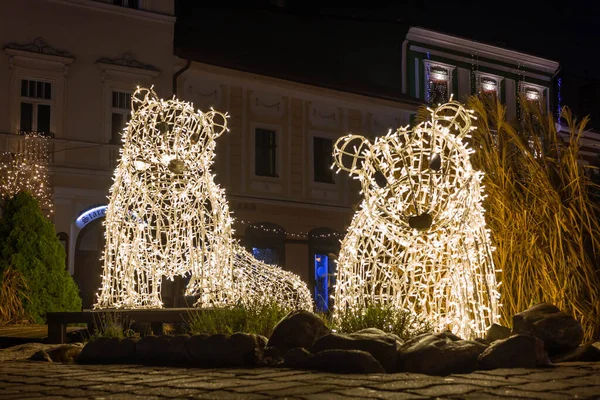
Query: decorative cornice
x=39, y=46
x=427, y=36
x=127, y=60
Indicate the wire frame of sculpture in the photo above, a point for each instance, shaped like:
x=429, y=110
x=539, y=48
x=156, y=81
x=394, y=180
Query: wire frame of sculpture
x=167, y=217
x=419, y=240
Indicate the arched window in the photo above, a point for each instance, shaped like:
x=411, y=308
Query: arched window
x=323, y=249
x=266, y=242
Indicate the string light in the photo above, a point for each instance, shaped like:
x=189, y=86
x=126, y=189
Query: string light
x=27, y=170
x=300, y=235
x=419, y=241
x=167, y=217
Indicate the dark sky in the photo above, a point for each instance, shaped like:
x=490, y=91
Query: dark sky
x=359, y=47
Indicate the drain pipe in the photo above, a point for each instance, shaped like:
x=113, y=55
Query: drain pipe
x=176, y=75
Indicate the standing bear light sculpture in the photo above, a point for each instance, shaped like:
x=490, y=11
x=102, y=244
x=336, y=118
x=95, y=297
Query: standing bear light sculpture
x=419, y=241
x=167, y=217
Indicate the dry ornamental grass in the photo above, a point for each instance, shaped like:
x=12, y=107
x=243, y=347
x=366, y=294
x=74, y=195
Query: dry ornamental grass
x=543, y=220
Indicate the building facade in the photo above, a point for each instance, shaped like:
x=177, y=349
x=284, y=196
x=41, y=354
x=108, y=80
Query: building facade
x=436, y=66
x=67, y=71
x=290, y=206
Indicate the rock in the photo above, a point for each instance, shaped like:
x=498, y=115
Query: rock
x=243, y=348
x=518, y=351
x=153, y=349
x=109, y=350
x=559, y=331
x=497, y=332
x=585, y=353
x=439, y=354
x=208, y=350
x=269, y=356
x=382, y=346
x=23, y=351
x=297, y=329
x=345, y=361
x=65, y=353
x=261, y=341
x=177, y=353
x=297, y=358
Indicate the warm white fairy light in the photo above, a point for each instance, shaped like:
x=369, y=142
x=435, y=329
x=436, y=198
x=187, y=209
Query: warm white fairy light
x=419, y=241
x=27, y=170
x=167, y=217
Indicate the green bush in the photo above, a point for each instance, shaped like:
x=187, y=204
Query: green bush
x=384, y=317
x=258, y=319
x=28, y=243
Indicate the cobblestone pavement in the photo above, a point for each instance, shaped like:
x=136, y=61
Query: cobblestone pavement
x=26, y=379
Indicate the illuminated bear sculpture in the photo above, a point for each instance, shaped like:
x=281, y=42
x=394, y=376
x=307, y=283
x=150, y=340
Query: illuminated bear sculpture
x=167, y=217
x=419, y=241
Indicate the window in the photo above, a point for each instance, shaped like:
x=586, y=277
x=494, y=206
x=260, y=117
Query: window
x=266, y=242
x=120, y=114
x=266, y=255
x=265, y=152
x=36, y=106
x=438, y=82
x=127, y=3
x=323, y=159
x=488, y=84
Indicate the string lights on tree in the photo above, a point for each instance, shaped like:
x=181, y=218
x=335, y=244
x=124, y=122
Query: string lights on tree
x=419, y=240
x=27, y=170
x=167, y=217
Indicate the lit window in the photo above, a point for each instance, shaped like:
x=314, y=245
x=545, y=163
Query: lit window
x=488, y=84
x=438, y=82
x=36, y=106
x=321, y=282
x=266, y=255
x=265, y=153
x=120, y=114
x=532, y=94
x=323, y=150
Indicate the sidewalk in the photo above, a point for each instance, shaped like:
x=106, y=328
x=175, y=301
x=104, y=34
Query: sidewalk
x=27, y=379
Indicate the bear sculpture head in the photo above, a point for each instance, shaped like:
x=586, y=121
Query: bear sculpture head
x=417, y=179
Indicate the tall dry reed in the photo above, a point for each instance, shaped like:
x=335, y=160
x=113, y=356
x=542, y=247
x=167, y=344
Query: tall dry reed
x=544, y=223
x=13, y=290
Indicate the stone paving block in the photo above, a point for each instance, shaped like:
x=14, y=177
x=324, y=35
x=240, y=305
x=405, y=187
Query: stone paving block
x=585, y=392
x=22, y=396
x=345, y=381
x=450, y=389
x=75, y=392
x=556, y=374
x=543, y=386
x=224, y=395
x=168, y=392
x=113, y=387
x=262, y=387
x=328, y=396
x=480, y=376
x=406, y=384
x=366, y=393
x=515, y=393
x=299, y=390
x=207, y=384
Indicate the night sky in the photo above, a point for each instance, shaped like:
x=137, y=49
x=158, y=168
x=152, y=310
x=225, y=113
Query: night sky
x=359, y=49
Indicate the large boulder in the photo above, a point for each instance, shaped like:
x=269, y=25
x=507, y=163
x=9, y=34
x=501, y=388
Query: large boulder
x=65, y=353
x=559, y=331
x=519, y=351
x=439, y=354
x=585, y=353
x=382, y=346
x=240, y=349
x=497, y=332
x=109, y=351
x=338, y=361
x=297, y=329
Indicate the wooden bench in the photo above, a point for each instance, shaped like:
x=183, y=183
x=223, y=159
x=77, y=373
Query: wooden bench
x=58, y=321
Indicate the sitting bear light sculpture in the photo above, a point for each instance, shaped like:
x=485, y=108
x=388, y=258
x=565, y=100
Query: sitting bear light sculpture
x=419, y=241
x=167, y=217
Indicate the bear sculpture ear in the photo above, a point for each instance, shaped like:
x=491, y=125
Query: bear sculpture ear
x=454, y=116
x=141, y=96
x=349, y=153
x=216, y=121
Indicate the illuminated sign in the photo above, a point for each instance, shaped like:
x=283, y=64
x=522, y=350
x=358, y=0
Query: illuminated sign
x=88, y=216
